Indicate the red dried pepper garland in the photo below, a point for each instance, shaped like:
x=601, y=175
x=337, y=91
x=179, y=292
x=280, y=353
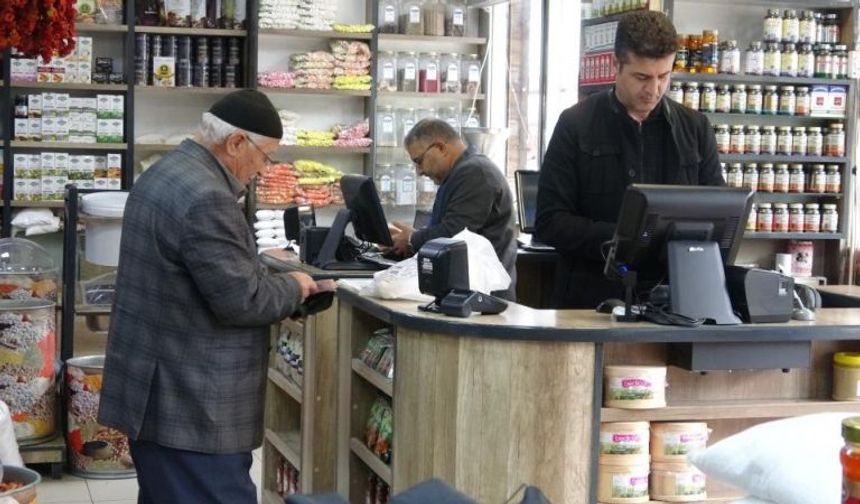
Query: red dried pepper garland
x=38, y=27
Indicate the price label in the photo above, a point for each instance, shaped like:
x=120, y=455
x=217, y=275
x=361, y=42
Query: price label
x=458, y=17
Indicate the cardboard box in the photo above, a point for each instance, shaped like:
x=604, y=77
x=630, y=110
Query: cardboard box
x=103, y=106
x=163, y=71
x=114, y=184
x=85, y=72
x=837, y=97
x=118, y=106
x=103, y=132
x=74, y=169
x=84, y=49
x=35, y=128
x=72, y=71
x=22, y=129
x=34, y=105
x=101, y=167
x=88, y=167
x=114, y=165
x=61, y=131
x=819, y=99
x=61, y=102
x=89, y=104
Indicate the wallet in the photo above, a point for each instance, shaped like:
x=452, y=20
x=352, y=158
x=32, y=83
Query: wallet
x=314, y=303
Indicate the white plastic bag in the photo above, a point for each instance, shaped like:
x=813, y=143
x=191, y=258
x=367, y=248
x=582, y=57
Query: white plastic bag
x=8, y=445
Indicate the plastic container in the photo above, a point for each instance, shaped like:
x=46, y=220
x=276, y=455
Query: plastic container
x=625, y=442
x=95, y=451
x=622, y=483
x=103, y=213
x=24, y=494
x=26, y=271
x=634, y=387
x=846, y=376
x=677, y=483
x=671, y=442
x=27, y=375
x=849, y=457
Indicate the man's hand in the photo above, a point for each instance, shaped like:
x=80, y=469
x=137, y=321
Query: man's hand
x=401, y=234
x=309, y=286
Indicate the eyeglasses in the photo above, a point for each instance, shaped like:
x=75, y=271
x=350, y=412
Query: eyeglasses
x=269, y=161
x=420, y=159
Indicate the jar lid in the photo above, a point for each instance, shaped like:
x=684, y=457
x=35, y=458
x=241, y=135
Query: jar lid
x=735, y=166
x=710, y=85
x=769, y=127
x=753, y=127
x=692, y=84
x=767, y=166
x=829, y=206
x=797, y=166
x=800, y=129
x=812, y=206
x=722, y=126
x=836, y=126
x=782, y=166
x=789, y=46
x=814, y=129
x=785, y=129
x=764, y=206
x=796, y=206
x=782, y=206
x=833, y=167
x=818, y=167
x=751, y=166
x=851, y=429
x=740, y=87
x=755, y=86
x=786, y=89
x=755, y=45
x=770, y=88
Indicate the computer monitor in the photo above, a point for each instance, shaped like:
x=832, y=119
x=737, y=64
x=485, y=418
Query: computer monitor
x=685, y=233
x=368, y=218
x=526, y=182
x=297, y=217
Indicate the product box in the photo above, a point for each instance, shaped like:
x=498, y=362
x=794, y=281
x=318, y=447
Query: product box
x=72, y=71
x=34, y=105
x=115, y=130
x=163, y=71
x=104, y=64
x=600, y=37
x=88, y=167
x=85, y=72
x=114, y=184
x=21, y=174
x=103, y=106
x=61, y=102
x=46, y=161
x=74, y=169
x=43, y=72
x=89, y=104
x=61, y=129
x=75, y=105
x=23, y=70
x=819, y=99
x=22, y=129
x=101, y=173
x=34, y=125
x=48, y=103
x=118, y=106
x=103, y=133
x=84, y=49
x=58, y=70
x=836, y=99
x=114, y=165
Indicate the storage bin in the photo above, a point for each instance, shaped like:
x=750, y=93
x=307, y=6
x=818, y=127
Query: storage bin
x=625, y=442
x=634, y=387
x=846, y=376
x=677, y=482
x=671, y=442
x=622, y=483
x=103, y=216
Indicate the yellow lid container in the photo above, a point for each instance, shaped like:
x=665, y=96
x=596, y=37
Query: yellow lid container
x=846, y=376
x=625, y=442
x=671, y=442
x=622, y=483
x=677, y=482
x=634, y=387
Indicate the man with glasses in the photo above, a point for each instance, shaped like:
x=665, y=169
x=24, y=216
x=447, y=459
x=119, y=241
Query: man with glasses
x=473, y=194
x=187, y=348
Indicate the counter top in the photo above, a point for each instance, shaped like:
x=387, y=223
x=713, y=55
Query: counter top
x=520, y=322
x=842, y=290
x=287, y=260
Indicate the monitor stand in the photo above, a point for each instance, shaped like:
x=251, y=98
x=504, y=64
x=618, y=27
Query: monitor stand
x=697, y=282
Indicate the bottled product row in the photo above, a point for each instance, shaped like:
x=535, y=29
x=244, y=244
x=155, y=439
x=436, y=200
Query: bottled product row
x=43, y=176
x=185, y=61
x=609, y=7
x=392, y=124
x=437, y=18
x=784, y=178
x=783, y=140
x=59, y=117
x=793, y=218
x=287, y=478
x=819, y=100
x=429, y=72
x=76, y=68
x=396, y=185
x=226, y=14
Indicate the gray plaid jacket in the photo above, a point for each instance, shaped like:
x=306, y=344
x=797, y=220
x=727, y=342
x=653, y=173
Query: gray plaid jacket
x=189, y=337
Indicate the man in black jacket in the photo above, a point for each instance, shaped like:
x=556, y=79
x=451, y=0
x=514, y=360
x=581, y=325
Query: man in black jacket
x=628, y=134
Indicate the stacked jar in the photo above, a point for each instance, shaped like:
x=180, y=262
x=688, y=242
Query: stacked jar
x=673, y=479
x=796, y=218
x=785, y=178
x=742, y=98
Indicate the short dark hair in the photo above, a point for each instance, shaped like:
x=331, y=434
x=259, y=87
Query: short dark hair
x=648, y=34
x=435, y=130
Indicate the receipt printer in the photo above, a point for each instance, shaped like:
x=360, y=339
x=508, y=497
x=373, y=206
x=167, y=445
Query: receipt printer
x=760, y=295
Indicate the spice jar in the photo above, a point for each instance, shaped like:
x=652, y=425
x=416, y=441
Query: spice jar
x=411, y=17
x=764, y=220
x=805, y=61
x=803, y=102
x=840, y=61
x=789, y=61
x=739, y=99
x=752, y=143
x=386, y=121
x=694, y=53
x=708, y=102
x=834, y=144
x=387, y=72
x=832, y=30
x=829, y=218
x=814, y=141
x=823, y=61
x=796, y=218
x=817, y=179
x=691, y=95
x=675, y=92
x=796, y=178
x=772, y=59
x=710, y=52
x=780, y=178
x=754, y=59
x=737, y=140
x=384, y=175
x=780, y=218
x=735, y=175
x=765, y=177
x=470, y=72
x=730, y=58
x=833, y=180
x=787, y=100
x=451, y=74
x=752, y=217
x=407, y=72
x=751, y=176
x=471, y=118
x=773, y=26
x=819, y=28
x=790, y=26
x=455, y=19
x=434, y=18
x=388, y=16
x=682, y=55
x=755, y=100
x=768, y=140
x=451, y=115
x=428, y=73
x=811, y=218
x=770, y=101
x=798, y=141
x=784, y=141
x=807, y=27
x=406, y=121
x=724, y=99
x=846, y=387
x=723, y=138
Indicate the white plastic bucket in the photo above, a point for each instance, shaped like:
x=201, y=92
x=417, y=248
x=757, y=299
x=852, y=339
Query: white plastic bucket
x=104, y=226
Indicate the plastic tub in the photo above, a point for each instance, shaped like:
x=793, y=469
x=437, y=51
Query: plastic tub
x=846, y=376
x=622, y=483
x=27, y=375
x=671, y=442
x=24, y=494
x=26, y=271
x=96, y=451
x=103, y=212
x=625, y=442
x=634, y=387
x=673, y=482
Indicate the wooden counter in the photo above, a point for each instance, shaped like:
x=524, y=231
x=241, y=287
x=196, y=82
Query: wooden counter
x=492, y=402
x=840, y=295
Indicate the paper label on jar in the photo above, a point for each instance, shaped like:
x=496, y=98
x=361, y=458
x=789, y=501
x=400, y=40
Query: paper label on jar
x=432, y=72
x=629, y=485
x=406, y=191
x=453, y=74
x=614, y=443
x=474, y=73
x=414, y=15
x=682, y=443
x=689, y=483
x=388, y=71
x=427, y=184
x=409, y=71
x=631, y=389
x=830, y=224
x=408, y=124
x=385, y=183
x=458, y=17
x=389, y=15
x=388, y=125
x=773, y=29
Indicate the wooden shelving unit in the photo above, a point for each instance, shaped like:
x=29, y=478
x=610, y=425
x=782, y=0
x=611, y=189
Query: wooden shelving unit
x=69, y=86
x=318, y=92
x=431, y=96
x=314, y=34
x=37, y=204
x=199, y=32
x=382, y=383
x=18, y=144
x=288, y=444
x=100, y=28
x=378, y=467
x=396, y=37
x=283, y=383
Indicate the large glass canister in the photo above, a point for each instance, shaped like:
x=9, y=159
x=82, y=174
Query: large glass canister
x=471, y=118
x=386, y=126
x=404, y=184
x=411, y=17
x=470, y=73
x=451, y=115
x=407, y=73
x=389, y=16
x=455, y=19
x=405, y=122
x=451, y=74
x=434, y=18
x=386, y=79
x=26, y=271
x=429, y=76
x=425, y=113
x=383, y=177
x=426, y=193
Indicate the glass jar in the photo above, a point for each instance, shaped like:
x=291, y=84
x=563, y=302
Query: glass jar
x=814, y=141
x=784, y=141
x=407, y=73
x=751, y=176
x=790, y=26
x=386, y=126
x=811, y=218
x=429, y=78
x=780, y=178
x=425, y=113
x=798, y=141
x=405, y=121
x=470, y=73
x=772, y=59
x=724, y=172
x=807, y=27
x=789, y=61
x=708, y=102
x=724, y=99
x=773, y=26
x=676, y=92
x=795, y=218
x=754, y=59
x=737, y=140
x=770, y=101
x=832, y=30
x=455, y=19
x=451, y=115
x=829, y=218
x=386, y=80
x=817, y=179
x=730, y=58
x=739, y=99
x=803, y=102
x=768, y=139
x=471, y=118
x=723, y=138
x=780, y=218
x=404, y=185
x=752, y=217
x=682, y=55
x=752, y=143
x=764, y=218
x=834, y=144
x=691, y=95
x=451, y=74
x=694, y=53
x=787, y=100
x=796, y=178
x=755, y=100
x=823, y=61
x=388, y=16
x=710, y=52
x=384, y=180
x=434, y=18
x=819, y=28
x=411, y=17
x=805, y=61
x=426, y=193
x=735, y=175
x=833, y=179
x=840, y=61
x=765, y=177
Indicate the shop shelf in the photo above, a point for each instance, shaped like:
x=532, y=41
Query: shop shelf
x=372, y=376
x=37, y=204
x=207, y=32
x=288, y=444
x=320, y=92
x=379, y=467
x=285, y=384
x=774, y=197
x=299, y=150
x=100, y=28
x=69, y=86
x=793, y=236
x=270, y=497
x=396, y=37
x=431, y=96
x=88, y=309
x=603, y=19
x=727, y=410
x=315, y=34
x=184, y=90
x=771, y=120
x=757, y=79
x=18, y=144
x=155, y=147
x=781, y=158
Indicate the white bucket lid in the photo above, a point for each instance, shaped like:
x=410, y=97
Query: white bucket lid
x=109, y=204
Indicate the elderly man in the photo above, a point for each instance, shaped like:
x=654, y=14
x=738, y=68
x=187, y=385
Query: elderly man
x=473, y=194
x=187, y=348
